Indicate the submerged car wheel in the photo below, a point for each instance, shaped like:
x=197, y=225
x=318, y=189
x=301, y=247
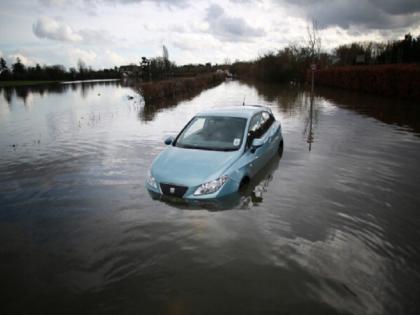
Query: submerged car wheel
x=244, y=183
x=280, y=149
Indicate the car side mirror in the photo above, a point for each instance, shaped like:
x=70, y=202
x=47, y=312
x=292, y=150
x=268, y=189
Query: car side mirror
x=169, y=140
x=256, y=143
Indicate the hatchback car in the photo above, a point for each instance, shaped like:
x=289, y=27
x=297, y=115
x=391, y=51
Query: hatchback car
x=216, y=153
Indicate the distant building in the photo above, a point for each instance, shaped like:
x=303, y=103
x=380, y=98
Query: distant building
x=334, y=60
x=360, y=59
x=130, y=71
x=225, y=72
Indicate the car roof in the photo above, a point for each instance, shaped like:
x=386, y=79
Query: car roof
x=245, y=111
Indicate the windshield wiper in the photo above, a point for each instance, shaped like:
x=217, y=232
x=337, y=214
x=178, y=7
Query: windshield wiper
x=186, y=146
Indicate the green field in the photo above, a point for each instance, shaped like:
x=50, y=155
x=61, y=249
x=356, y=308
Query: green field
x=22, y=83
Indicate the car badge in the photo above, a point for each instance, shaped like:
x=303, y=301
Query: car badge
x=172, y=190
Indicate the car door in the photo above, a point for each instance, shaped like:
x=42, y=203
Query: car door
x=253, y=160
x=269, y=134
x=249, y=159
x=256, y=157
x=262, y=154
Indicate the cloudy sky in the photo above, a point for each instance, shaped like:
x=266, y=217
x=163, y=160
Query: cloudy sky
x=105, y=33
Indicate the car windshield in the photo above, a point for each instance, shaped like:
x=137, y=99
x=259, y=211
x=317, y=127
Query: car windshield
x=213, y=133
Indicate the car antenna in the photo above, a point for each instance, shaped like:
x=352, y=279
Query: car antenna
x=243, y=103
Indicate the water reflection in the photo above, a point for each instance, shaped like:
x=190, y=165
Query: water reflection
x=151, y=107
x=331, y=230
x=289, y=98
x=250, y=195
x=388, y=110
x=308, y=126
x=23, y=92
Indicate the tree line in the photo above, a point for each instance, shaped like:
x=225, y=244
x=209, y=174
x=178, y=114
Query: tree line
x=289, y=64
x=406, y=50
x=158, y=68
x=19, y=71
x=292, y=63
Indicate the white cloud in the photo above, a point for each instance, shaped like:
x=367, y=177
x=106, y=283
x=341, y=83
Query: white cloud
x=46, y=27
x=54, y=2
x=76, y=54
x=52, y=29
x=121, y=31
x=27, y=61
x=114, y=59
x=90, y=36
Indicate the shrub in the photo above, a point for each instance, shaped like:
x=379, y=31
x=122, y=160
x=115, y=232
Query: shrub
x=173, y=88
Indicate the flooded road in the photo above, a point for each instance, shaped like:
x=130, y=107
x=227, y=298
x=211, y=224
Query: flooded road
x=331, y=227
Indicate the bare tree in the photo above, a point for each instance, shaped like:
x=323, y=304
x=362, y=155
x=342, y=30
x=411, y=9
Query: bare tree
x=314, y=40
x=227, y=61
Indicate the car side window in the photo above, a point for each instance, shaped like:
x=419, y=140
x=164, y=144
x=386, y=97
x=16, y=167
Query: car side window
x=254, y=126
x=255, y=123
x=259, y=125
x=267, y=120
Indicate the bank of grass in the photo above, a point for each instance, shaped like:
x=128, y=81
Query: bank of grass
x=396, y=80
x=173, y=88
x=24, y=83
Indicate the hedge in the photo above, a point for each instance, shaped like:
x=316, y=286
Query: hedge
x=397, y=80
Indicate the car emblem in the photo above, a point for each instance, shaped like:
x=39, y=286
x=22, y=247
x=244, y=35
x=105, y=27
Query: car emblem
x=172, y=190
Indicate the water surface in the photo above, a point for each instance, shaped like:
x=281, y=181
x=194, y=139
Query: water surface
x=331, y=227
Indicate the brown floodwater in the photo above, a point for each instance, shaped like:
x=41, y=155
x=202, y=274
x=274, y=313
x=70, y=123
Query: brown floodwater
x=331, y=227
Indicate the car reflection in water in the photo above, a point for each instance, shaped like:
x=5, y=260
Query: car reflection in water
x=250, y=194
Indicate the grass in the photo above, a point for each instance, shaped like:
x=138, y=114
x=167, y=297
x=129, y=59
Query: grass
x=23, y=83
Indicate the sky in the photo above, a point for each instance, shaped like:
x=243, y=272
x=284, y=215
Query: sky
x=108, y=33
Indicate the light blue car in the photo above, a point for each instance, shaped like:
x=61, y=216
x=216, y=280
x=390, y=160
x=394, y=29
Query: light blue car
x=216, y=153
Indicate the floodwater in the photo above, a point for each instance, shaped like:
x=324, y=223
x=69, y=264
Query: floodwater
x=331, y=227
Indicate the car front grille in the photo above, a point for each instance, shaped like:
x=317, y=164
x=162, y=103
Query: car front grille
x=173, y=190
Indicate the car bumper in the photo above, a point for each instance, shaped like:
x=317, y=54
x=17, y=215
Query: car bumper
x=231, y=186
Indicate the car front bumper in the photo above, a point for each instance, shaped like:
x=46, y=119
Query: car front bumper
x=229, y=187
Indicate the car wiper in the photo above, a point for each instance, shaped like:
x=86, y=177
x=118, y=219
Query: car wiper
x=206, y=148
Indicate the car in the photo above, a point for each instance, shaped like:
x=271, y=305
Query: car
x=216, y=153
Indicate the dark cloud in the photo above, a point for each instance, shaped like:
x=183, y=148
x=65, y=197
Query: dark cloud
x=369, y=14
x=229, y=28
x=398, y=6
x=169, y=3
x=244, y=1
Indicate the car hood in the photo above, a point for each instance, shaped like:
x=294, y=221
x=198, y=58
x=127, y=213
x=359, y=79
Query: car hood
x=191, y=167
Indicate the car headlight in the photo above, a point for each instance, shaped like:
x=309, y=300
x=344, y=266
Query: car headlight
x=211, y=186
x=152, y=181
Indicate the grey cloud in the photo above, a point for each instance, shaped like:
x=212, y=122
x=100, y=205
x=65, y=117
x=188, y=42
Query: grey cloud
x=398, y=6
x=244, y=1
x=369, y=14
x=94, y=3
x=53, y=29
x=229, y=28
